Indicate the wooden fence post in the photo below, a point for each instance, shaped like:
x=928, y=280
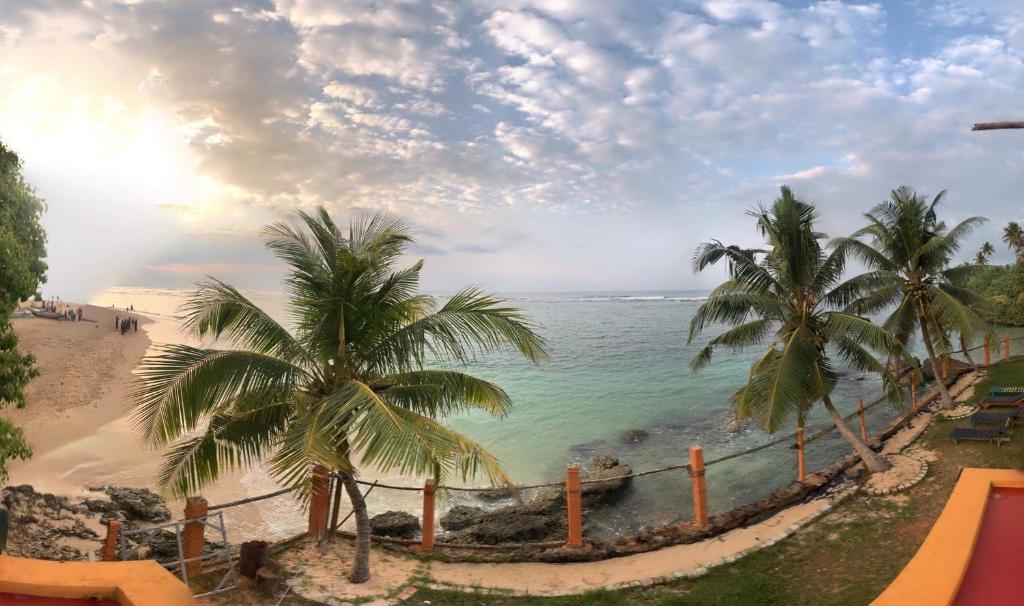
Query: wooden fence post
x=574, y=505
x=913, y=392
x=800, y=468
x=1006, y=346
x=192, y=537
x=699, y=484
x=988, y=350
x=863, y=424
x=427, y=542
x=110, y=544
x=319, y=504
x=945, y=366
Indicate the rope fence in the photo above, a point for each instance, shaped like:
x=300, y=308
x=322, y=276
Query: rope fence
x=598, y=505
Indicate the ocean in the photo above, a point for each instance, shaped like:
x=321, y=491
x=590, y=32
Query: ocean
x=617, y=383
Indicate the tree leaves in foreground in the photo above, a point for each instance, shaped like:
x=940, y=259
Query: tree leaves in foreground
x=22, y=269
x=788, y=296
x=348, y=388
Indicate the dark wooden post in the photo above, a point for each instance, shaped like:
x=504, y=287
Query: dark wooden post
x=110, y=544
x=192, y=537
x=988, y=350
x=699, y=485
x=319, y=504
x=574, y=505
x=427, y=542
x=1006, y=346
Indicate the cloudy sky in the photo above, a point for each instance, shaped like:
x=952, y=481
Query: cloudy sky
x=535, y=144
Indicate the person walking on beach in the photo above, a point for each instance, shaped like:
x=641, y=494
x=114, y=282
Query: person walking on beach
x=135, y=324
x=117, y=322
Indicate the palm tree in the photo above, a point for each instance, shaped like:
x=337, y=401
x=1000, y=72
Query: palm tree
x=1013, y=236
x=910, y=254
x=348, y=385
x=788, y=295
x=984, y=254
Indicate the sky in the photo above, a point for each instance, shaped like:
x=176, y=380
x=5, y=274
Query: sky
x=534, y=145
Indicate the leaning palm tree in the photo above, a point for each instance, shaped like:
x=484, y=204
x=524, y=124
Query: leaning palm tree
x=911, y=254
x=789, y=296
x=347, y=387
x=1013, y=237
x=984, y=254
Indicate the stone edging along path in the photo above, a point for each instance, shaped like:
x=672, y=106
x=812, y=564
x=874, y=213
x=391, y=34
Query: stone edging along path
x=678, y=561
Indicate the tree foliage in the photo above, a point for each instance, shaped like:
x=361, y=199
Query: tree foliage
x=22, y=269
x=788, y=297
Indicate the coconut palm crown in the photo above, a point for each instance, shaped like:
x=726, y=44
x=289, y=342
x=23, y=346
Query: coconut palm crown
x=789, y=297
x=910, y=255
x=348, y=385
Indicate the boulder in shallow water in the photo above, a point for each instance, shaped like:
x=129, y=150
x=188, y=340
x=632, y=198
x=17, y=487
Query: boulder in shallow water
x=604, y=467
x=139, y=503
x=398, y=524
x=635, y=436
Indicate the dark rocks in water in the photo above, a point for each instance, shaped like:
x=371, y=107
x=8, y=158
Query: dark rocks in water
x=101, y=506
x=603, y=467
x=495, y=494
x=139, y=503
x=542, y=517
x=635, y=436
x=395, y=524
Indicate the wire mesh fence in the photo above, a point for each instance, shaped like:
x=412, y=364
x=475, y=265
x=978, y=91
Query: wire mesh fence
x=272, y=517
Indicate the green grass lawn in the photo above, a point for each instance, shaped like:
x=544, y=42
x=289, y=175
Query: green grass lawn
x=846, y=558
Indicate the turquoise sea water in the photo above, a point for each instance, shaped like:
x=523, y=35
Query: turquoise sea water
x=619, y=364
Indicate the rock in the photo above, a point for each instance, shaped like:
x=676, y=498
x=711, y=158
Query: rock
x=100, y=506
x=461, y=516
x=635, y=436
x=397, y=524
x=495, y=494
x=139, y=503
x=599, y=468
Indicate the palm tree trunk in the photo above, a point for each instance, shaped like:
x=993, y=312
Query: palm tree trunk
x=947, y=400
x=967, y=353
x=872, y=460
x=361, y=564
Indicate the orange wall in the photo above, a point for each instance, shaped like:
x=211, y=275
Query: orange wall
x=144, y=583
x=933, y=575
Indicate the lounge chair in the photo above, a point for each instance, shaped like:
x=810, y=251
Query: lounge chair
x=981, y=434
x=1006, y=389
x=1002, y=400
x=1007, y=418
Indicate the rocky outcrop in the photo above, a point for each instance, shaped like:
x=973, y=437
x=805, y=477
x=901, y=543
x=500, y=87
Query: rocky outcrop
x=398, y=524
x=139, y=504
x=51, y=527
x=635, y=436
x=541, y=518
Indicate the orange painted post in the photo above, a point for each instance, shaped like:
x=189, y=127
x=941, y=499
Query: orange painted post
x=319, y=504
x=913, y=391
x=192, y=537
x=110, y=544
x=1006, y=346
x=574, y=505
x=427, y=542
x=700, y=487
x=863, y=424
x=800, y=454
x=988, y=350
x=945, y=366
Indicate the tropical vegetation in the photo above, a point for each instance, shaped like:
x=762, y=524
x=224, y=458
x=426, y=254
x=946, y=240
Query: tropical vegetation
x=348, y=387
x=1002, y=286
x=789, y=294
x=910, y=257
x=22, y=250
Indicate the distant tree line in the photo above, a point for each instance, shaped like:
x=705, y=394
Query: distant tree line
x=22, y=269
x=1002, y=286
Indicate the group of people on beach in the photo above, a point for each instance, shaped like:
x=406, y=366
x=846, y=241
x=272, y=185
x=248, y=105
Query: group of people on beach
x=126, y=324
x=66, y=311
